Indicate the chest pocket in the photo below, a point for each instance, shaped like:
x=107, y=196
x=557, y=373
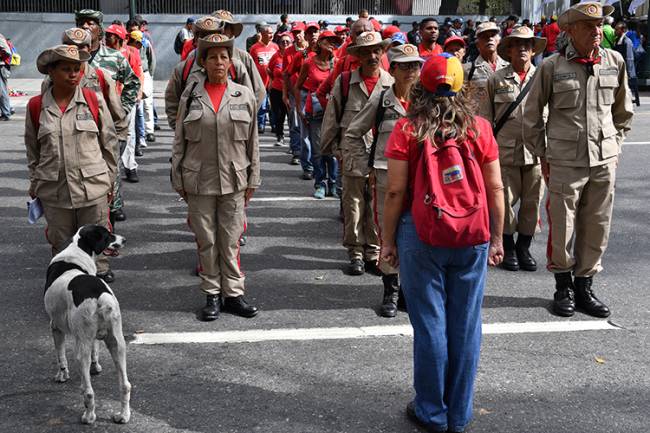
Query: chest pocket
x=241, y=121
x=86, y=125
x=606, y=86
x=566, y=94
x=192, y=125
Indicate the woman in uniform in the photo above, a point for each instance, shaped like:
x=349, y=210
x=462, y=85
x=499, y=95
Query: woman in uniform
x=71, y=150
x=216, y=169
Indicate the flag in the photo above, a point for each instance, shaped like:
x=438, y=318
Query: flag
x=635, y=4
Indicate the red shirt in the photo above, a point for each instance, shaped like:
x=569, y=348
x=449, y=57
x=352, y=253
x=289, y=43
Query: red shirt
x=424, y=53
x=261, y=55
x=215, y=91
x=275, y=70
x=370, y=83
x=550, y=32
x=188, y=46
x=315, y=75
x=403, y=146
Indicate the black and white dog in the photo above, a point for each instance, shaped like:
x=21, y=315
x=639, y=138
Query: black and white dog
x=83, y=306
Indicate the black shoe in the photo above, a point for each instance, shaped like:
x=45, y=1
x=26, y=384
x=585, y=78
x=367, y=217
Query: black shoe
x=107, y=276
x=391, y=294
x=410, y=414
x=510, y=261
x=156, y=127
x=295, y=160
x=150, y=138
x=118, y=215
x=356, y=267
x=586, y=300
x=12, y=111
x=5, y=118
x=522, y=247
x=307, y=175
x=243, y=239
x=236, y=305
x=372, y=267
x=138, y=151
x=211, y=310
x=564, y=299
x=132, y=176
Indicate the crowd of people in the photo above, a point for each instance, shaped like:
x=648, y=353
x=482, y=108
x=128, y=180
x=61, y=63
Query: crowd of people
x=430, y=192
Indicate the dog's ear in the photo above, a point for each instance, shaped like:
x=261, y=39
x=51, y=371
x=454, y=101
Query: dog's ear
x=93, y=239
x=103, y=239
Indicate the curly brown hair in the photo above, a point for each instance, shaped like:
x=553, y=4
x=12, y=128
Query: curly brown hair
x=441, y=116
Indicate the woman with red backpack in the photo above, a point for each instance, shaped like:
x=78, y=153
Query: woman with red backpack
x=443, y=220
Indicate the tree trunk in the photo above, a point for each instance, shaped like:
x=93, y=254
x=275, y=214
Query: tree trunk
x=449, y=7
x=482, y=7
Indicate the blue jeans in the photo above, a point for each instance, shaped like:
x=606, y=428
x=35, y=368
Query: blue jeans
x=443, y=289
x=5, y=101
x=325, y=167
x=294, y=129
x=305, y=144
x=261, y=113
x=139, y=122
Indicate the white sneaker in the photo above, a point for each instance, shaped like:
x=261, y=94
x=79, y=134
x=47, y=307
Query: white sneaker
x=280, y=142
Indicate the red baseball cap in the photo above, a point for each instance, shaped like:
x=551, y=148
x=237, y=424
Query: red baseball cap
x=117, y=30
x=283, y=34
x=328, y=34
x=389, y=31
x=442, y=74
x=312, y=25
x=451, y=39
x=340, y=29
x=375, y=25
x=298, y=26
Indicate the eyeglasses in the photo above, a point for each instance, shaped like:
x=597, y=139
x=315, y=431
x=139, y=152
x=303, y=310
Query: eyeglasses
x=409, y=65
x=285, y=41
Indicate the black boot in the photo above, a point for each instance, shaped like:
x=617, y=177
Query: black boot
x=564, y=299
x=391, y=290
x=510, y=261
x=132, y=176
x=211, y=310
x=356, y=267
x=138, y=148
x=587, y=301
x=238, y=306
x=522, y=247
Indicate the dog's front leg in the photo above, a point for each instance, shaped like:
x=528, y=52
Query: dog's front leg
x=117, y=347
x=62, y=362
x=95, y=368
x=84, y=350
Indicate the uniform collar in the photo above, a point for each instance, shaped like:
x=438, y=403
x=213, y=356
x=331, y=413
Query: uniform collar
x=570, y=52
x=50, y=104
x=202, y=94
x=511, y=74
x=384, y=79
x=391, y=101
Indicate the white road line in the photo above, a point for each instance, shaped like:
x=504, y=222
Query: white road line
x=635, y=143
x=259, y=335
x=289, y=198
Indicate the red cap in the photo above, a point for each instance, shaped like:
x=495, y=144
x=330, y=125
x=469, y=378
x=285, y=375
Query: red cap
x=283, y=34
x=390, y=31
x=117, y=30
x=341, y=29
x=312, y=24
x=451, y=39
x=327, y=34
x=375, y=25
x=298, y=26
x=442, y=74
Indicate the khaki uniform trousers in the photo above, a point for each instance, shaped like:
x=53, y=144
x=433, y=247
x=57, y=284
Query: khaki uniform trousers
x=217, y=222
x=522, y=184
x=580, y=213
x=360, y=235
x=380, y=184
x=63, y=223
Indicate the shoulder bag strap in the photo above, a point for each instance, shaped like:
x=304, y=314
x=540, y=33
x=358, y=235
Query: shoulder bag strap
x=379, y=117
x=504, y=118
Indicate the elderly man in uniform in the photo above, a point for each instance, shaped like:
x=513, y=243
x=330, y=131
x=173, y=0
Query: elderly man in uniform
x=350, y=94
x=520, y=169
x=485, y=65
x=590, y=110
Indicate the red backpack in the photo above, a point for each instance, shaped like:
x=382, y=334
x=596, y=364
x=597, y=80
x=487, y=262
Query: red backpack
x=449, y=201
x=34, y=107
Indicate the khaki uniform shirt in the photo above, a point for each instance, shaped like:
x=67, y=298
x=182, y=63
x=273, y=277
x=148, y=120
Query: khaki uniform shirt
x=478, y=86
x=588, y=114
x=503, y=89
x=91, y=81
x=216, y=151
x=355, y=136
x=337, y=118
x=72, y=160
x=175, y=87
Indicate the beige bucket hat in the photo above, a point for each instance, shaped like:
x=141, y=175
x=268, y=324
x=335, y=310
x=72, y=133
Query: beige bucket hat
x=487, y=26
x=68, y=53
x=367, y=39
x=76, y=36
x=211, y=41
x=520, y=32
x=584, y=12
x=406, y=53
x=228, y=18
x=207, y=25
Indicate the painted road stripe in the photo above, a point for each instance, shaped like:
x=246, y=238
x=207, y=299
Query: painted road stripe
x=260, y=335
x=305, y=198
x=636, y=143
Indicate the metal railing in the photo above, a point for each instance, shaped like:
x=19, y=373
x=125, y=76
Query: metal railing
x=47, y=6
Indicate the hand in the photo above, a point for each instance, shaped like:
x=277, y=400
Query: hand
x=31, y=193
x=389, y=255
x=110, y=196
x=248, y=195
x=495, y=254
x=285, y=99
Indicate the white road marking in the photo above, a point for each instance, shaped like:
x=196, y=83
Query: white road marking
x=304, y=334
x=635, y=143
x=289, y=198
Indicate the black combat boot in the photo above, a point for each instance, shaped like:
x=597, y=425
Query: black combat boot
x=391, y=290
x=564, y=299
x=510, y=261
x=211, y=310
x=587, y=301
x=138, y=148
x=522, y=247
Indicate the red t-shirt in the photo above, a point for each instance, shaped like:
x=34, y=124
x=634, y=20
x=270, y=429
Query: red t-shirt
x=315, y=75
x=403, y=146
x=424, y=53
x=275, y=69
x=261, y=55
x=551, y=32
x=370, y=83
x=215, y=92
x=188, y=46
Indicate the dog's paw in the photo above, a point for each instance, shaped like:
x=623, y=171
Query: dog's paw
x=88, y=417
x=62, y=376
x=95, y=368
x=122, y=418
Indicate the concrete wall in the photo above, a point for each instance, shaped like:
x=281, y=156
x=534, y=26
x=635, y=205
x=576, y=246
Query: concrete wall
x=32, y=33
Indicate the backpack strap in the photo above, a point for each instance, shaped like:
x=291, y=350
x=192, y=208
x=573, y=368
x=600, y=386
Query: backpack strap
x=102, y=82
x=189, y=97
x=93, y=104
x=379, y=117
x=471, y=71
x=186, y=70
x=34, y=108
x=345, y=87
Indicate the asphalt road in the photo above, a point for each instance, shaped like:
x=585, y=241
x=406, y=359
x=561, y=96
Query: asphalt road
x=546, y=382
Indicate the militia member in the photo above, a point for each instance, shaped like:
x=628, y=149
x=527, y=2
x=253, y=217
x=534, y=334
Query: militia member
x=590, y=110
